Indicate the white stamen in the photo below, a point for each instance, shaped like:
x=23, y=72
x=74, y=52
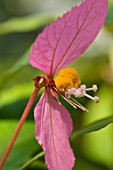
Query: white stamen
x=97, y=99
x=94, y=88
x=90, y=97
x=81, y=92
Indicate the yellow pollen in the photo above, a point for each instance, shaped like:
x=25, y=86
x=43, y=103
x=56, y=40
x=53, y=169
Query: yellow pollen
x=67, y=78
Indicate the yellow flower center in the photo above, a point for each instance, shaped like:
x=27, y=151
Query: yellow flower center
x=67, y=78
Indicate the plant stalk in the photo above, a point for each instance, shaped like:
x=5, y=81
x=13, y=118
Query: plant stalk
x=22, y=119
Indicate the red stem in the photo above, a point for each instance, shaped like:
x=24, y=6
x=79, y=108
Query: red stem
x=24, y=116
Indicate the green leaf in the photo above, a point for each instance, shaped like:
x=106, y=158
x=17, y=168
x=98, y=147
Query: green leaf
x=16, y=93
x=14, y=69
x=17, y=66
x=93, y=127
x=32, y=160
x=98, y=146
x=25, y=145
x=25, y=24
x=109, y=18
x=20, y=63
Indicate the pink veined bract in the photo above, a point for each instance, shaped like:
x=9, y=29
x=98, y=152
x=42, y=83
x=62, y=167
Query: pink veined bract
x=57, y=46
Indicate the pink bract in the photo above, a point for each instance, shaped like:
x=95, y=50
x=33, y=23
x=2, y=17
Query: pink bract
x=53, y=128
x=68, y=37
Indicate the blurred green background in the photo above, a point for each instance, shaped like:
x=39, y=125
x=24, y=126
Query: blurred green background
x=20, y=23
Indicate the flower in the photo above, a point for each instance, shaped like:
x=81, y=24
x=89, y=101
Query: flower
x=57, y=46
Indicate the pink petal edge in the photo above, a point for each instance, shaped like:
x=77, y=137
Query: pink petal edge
x=68, y=37
x=53, y=128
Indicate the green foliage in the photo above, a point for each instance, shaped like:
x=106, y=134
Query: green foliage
x=18, y=155
x=92, y=136
x=92, y=127
x=109, y=19
x=25, y=24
